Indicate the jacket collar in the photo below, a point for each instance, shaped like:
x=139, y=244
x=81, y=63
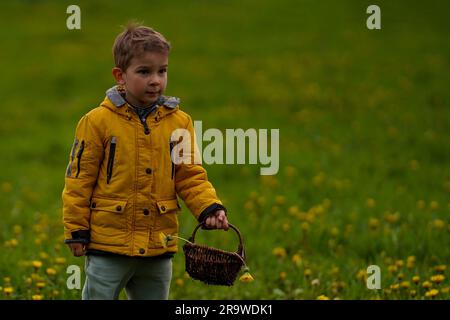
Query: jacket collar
x=115, y=101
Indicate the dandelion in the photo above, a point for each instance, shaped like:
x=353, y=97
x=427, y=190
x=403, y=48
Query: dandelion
x=43, y=255
x=399, y=263
x=8, y=290
x=36, y=264
x=374, y=223
x=440, y=268
x=392, y=218
x=420, y=204
x=370, y=203
x=296, y=259
x=179, y=282
x=286, y=226
x=437, y=278
x=439, y=224
x=37, y=297
x=246, y=277
x=434, y=205
x=410, y=261
x=412, y=293
x=7, y=280
x=315, y=282
x=323, y=297
x=17, y=229
x=361, y=275
x=279, y=252
x=282, y=275
x=392, y=268
x=60, y=260
x=40, y=285
x=166, y=238
x=307, y=273
x=427, y=284
x=416, y=279
x=280, y=200
x=334, y=232
x=445, y=290
x=405, y=284
x=432, y=293
x=293, y=210
x=50, y=271
x=400, y=276
x=305, y=226
x=395, y=286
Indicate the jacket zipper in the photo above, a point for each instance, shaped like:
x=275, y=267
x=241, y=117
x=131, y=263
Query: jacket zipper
x=69, y=167
x=80, y=152
x=146, y=128
x=112, y=152
x=171, y=145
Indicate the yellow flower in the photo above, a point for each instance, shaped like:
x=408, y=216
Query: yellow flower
x=8, y=290
x=279, y=252
x=434, y=205
x=370, y=203
x=40, y=285
x=437, y=278
x=445, y=290
x=432, y=293
x=322, y=297
x=412, y=293
x=405, y=284
x=296, y=259
x=37, y=297
x=420, y=204
x=440, y=268
x=416, y=279
x=374, y=223
x=246, y=277
x=43, y=255
x=6, y=280
x=395, y=286
x=36, y=264
x=60, y=260
x=282, y=275
x=50, y=271
x=438, y=223
x=280, y=200
x=164, y=239
x=307, y=273
x=179, y=282
x=427, y=284
x=399, y=263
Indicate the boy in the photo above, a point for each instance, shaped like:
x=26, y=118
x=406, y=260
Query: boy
x=121, y=184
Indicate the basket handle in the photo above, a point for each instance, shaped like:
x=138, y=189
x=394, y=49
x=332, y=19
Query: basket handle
x=240, y=251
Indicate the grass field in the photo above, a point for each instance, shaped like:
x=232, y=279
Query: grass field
x=364, y=125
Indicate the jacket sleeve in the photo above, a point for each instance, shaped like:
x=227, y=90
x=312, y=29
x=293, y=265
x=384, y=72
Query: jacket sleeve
x=192, y=185
x=81, y=176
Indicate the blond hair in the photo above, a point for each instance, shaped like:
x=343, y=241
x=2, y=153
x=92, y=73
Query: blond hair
x=135, y=40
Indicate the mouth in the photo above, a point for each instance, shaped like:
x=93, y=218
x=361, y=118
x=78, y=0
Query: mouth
x=152, y=92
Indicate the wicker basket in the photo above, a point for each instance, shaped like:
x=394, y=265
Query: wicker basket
x=211, y=265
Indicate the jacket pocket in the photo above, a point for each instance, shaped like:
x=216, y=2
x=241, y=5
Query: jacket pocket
x=112, y=153
x=168, y=206
x=79, y=154
x=108, y=221
x=72, y=157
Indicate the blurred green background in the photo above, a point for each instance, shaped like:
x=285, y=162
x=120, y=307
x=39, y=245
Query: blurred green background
x=364, y=138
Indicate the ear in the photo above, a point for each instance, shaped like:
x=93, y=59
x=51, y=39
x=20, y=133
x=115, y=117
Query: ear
x=118, y=75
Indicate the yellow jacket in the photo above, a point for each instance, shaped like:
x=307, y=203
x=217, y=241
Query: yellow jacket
x=121, y=185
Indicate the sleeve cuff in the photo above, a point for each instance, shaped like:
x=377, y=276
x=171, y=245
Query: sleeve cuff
x=210, y=210
x=80, y=236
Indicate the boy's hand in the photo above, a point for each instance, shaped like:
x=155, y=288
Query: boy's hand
x=218, y=220
x=78, y=249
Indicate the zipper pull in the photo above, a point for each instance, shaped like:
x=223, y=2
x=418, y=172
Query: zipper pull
x=146, y=128
x=80, y=152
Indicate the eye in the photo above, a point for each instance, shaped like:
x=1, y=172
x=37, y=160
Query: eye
x=143, y=71
x=162, y=71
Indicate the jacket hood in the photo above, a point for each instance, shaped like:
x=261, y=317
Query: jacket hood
x=115, y=101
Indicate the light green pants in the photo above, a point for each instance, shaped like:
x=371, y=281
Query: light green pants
x=142, y=278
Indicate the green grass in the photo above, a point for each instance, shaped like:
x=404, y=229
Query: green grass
x=362, y=115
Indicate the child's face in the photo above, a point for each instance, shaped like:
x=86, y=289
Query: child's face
x=145, y=79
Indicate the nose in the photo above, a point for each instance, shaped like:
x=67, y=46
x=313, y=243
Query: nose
x=153, y=80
